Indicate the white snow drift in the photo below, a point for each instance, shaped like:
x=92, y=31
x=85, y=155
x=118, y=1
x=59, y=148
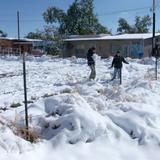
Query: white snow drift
x=77, y=118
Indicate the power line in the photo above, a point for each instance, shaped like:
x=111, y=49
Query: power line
x=125, y=10
x=99, y=15
x=25, y=20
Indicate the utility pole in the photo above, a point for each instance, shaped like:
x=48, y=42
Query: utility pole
x=24, y=77
x=120, y=80
x=18, y=29
x=153, y=39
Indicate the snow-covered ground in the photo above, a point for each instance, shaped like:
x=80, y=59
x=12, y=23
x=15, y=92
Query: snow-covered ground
x=76, y=118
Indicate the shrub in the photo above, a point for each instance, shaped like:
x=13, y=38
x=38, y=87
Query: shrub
x=28, y=134
x=15, y=105
x=48, y=95
x=53, y=50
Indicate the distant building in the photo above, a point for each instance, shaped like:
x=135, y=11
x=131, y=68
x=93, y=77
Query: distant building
x=130, y=45
x=15, y=46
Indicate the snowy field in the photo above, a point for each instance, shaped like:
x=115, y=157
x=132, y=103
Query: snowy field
x=76, y=118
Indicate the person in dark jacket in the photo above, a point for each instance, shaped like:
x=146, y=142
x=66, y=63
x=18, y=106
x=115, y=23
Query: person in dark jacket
x=117, y=64
x=91, y=62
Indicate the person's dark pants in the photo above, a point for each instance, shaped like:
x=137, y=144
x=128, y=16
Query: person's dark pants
x=117, y=71
x=93, y=72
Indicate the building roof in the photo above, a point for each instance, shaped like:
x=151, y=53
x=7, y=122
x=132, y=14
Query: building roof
x=34, y=42
x=22, y=39
x=110, y=37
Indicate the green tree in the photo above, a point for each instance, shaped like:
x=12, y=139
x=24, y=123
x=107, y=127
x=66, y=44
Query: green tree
x=34, y=35
x=79, y=19
x=3, y=34
x=141, y=25
x=49, y=33
x=124, y=27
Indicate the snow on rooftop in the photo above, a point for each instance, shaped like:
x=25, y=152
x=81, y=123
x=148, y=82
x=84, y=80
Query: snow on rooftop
x=115, y=37
x=22, y=39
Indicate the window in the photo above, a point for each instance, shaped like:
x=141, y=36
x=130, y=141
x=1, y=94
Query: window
x=137, y=50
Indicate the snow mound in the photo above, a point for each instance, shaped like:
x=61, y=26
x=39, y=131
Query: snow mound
x=139, y=121
x=71, y=118
x=148, y=61
x=11, y=143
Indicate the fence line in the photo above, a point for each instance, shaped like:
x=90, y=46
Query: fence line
x=10, y=51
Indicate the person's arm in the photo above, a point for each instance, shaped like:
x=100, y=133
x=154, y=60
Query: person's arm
x=124, y=61
x=113, y=62
x=87, y=55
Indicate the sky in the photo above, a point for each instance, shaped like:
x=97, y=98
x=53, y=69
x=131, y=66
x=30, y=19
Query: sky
x=107, y=11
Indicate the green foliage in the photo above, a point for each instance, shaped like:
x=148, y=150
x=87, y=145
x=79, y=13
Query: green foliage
x=124, y=27
x=54, y=15
x=53, y=50
x=141, y=25
x=47, y=34
x=50, y=33
x=34, y=35
x=79, y=19
x=15, y=105
x=3, y=34
x=57, y=16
